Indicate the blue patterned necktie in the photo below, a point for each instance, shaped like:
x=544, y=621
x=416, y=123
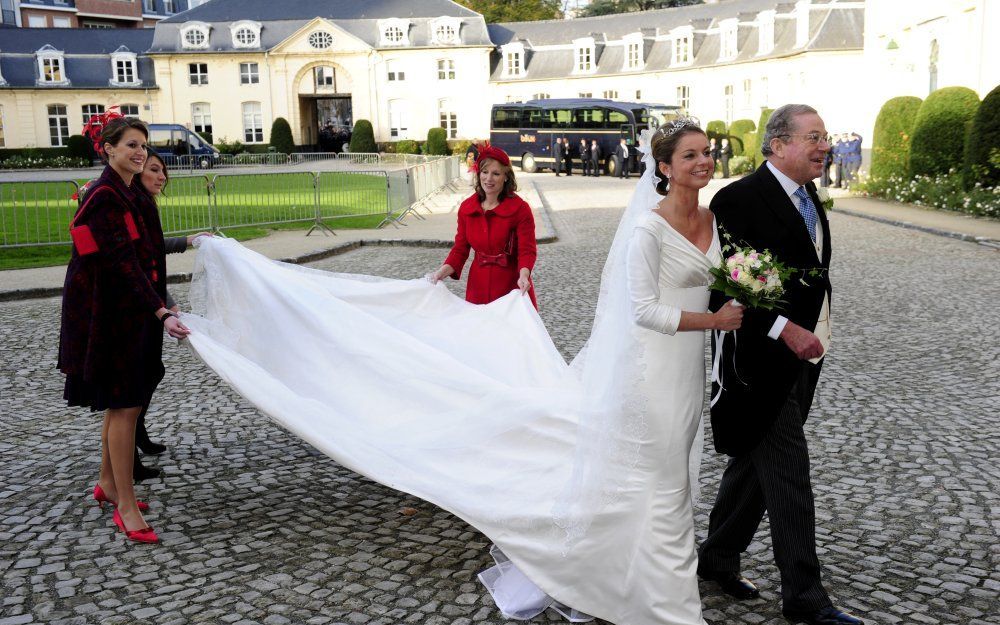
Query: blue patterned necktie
x=808, y=211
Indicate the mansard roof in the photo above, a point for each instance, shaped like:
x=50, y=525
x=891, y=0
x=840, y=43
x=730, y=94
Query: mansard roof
x=281, y=20
x=86, y=53
x=548, y=44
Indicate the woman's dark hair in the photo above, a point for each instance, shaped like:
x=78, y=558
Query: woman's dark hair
x=664, y=144
x=114, y=129
x=151, y=154
x=509, y=183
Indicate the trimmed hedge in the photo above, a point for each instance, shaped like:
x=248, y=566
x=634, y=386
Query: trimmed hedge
x=80, y=147
x=753, y=150
x=363, y=137
x=716, y=129
x=982, y=163
x=459, y=146
x=281, y=136
x=938, y=143
x=437, y=142
x=406, y=146
x=892, y=136
x=6, y=153
x=739, y=135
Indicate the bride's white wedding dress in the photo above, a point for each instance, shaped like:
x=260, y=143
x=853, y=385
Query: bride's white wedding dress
x=578, y=473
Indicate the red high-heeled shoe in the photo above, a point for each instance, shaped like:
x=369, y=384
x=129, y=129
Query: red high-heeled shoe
x=101, y=499
x=145, y=535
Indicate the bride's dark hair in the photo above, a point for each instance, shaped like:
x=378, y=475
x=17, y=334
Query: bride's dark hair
x=663, y=145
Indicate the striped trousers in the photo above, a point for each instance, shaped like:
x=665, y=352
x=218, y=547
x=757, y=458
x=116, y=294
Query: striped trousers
x=773, y=478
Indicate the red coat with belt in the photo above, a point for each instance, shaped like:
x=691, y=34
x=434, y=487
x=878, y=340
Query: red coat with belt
x=504, y=241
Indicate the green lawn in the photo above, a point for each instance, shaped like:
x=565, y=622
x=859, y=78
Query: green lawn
x=244, y=207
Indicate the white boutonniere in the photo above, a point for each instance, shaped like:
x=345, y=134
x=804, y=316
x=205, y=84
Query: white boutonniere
x=824, y=198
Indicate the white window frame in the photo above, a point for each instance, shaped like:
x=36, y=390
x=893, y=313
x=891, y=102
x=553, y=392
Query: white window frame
x=38, y=21
x=122, y=108
x=394, y=32
x=394, y=71
x=168, y=7
x=49, y=56
x=249, y=73
x=763, y=90
x=728, y=32
x=584, y=56
x=253, y=122
x=320, y=40
x=61, y=22
x=3, y=82
x=728, y=102
x=541, y=96
x=399, y=127
x=446, y=69
x=446, y=31
x=633, y=48
x=202, y=77
x=747, y=93
x=513, y=60
x=638, y=95
x=683, y=38
x=585, y=94
x=765, y=32
x=201, y=28
x=325, y=78
x=684, y=97
x=94, y=109
x=237, y=27
x=61, y=126
x=201, y=117
x=610, y=94
x=148, y=6
x=448, y=118
x=128, y=59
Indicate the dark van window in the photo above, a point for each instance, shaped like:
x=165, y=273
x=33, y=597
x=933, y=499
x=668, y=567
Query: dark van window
x=560, y=118
x=507, y=117
x=593, y=118
x=534, y=118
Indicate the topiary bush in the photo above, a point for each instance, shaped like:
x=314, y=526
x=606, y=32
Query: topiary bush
x=753, y=149
x=938, y=143
x=739, y=135
x=363, y=137
x=983, y=145
x=281, y=136
x=892, y=136
x=437, y=142
x=80, y=147
x=406, y=146
x=716, y=129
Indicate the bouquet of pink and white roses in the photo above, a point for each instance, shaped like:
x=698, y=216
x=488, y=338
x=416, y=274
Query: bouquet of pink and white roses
x=754, y=279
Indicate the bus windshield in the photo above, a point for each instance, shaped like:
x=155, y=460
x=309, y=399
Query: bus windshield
x=656, y=116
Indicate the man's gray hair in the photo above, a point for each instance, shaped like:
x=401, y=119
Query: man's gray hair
x=781, y=124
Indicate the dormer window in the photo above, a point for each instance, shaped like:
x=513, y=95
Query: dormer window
x=246, y=34
x=765, y=32
x=194, y=36
x=513, y=60
x=682, y=46
x=584, y=55
x=633, y=52
x=124, y=72
x=394, y=32
x=320, y=40
x=445, y=31
x=727, y=34
x=51, y=66
x=801, y=23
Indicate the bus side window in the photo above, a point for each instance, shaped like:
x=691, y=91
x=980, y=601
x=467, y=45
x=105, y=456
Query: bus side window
x=507, y=118
x=560, y=118
x=616, y=119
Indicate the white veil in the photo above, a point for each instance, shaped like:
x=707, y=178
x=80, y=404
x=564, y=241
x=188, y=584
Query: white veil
x=610, y=365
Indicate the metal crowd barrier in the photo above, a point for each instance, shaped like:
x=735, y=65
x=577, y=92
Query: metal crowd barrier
x=39, y=213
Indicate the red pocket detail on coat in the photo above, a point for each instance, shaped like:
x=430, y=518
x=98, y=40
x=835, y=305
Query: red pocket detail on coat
x=133, y=232
x=83, y=240
x=155, y=275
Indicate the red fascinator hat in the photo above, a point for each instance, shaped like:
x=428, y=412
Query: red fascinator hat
x=494, y=153
x=92, y=129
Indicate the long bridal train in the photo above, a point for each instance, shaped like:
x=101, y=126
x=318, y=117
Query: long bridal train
x=471, y=408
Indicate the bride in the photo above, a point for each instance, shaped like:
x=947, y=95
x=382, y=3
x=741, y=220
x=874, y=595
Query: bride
x=580, y=474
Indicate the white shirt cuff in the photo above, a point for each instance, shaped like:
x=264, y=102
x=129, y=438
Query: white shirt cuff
x=779, y=325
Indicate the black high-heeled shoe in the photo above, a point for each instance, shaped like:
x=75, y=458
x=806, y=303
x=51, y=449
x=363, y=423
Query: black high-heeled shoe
x=141, y=472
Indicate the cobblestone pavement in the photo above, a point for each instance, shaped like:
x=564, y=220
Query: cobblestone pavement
x=257, y=527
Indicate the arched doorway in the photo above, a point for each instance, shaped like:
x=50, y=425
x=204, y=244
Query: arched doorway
x=325, y=107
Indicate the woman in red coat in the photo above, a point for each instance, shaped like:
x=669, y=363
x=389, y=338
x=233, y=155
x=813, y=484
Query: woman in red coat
x=113, y=314
x=499, y=226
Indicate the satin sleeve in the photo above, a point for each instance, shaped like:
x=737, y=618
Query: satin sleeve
x=643, y=273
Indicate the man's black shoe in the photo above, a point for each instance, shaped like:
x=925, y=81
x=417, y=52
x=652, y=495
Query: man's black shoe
x=824, y=616
x=141, y=472
x=733, y=584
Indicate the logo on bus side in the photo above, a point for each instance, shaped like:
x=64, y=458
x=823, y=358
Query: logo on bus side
x=527, y=138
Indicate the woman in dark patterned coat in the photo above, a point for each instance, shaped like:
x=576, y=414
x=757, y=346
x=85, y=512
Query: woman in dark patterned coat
x=113, y=315
x=499, y=226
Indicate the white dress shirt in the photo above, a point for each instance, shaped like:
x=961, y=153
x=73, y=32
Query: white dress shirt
x=823, y=328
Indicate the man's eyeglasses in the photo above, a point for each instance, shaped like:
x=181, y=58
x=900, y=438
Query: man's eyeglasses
x=811, y=138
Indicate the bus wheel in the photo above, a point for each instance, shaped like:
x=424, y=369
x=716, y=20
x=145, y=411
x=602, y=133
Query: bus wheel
x=612, y=167
x=528, y=164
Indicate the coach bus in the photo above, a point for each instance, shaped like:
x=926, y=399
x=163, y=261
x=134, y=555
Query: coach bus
x=527, y=130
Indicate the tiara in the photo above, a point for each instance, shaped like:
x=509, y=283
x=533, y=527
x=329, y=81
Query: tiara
x=677, y=125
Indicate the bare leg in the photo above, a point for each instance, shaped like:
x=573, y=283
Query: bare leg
x=107, y=477
x=121, y=450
